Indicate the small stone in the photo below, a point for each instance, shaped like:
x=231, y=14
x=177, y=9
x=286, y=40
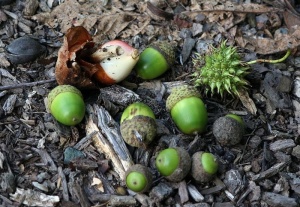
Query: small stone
x=255, y=192
x=71, y=153
x=277, y=200
x=282, y=157
x=161, y=191
x=254, y=141
x=284, y=84
x=282, y=144
x=203, y=46
x=197, y=29
x=185, y=33
x=297, y=62
x=234, y=181
x=187, y=47
x=296, y=151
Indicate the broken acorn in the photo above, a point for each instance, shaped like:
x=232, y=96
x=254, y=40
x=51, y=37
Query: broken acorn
x=138, y=125
x=155, y=60
x=187, y=109
x=228, y=130
x=173, y=163
x=65, y=103
x=138, y=178
x=84, y=65
x=204, y=166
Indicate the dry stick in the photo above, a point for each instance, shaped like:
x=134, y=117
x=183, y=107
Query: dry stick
x=288, y=52
x=2, y=88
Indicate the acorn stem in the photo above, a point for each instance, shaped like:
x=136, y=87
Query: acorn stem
x=287, y=54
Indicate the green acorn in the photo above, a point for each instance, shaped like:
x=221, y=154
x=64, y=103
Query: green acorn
x=155, y=60
x=187, y=109
x=223, y=70
x=138, y=178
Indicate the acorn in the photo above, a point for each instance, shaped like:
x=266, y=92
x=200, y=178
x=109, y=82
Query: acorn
x=155, y=60
x=173, y=163
x=65, y=103
x=228, y=130
x=117, y=67
x=138, y=125
x=138, y=178
x=187, y=109
x=223, y=71
x=204, y=166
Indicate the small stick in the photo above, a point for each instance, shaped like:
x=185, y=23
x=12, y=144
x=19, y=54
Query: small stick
x=288, y=52
x=20, y=85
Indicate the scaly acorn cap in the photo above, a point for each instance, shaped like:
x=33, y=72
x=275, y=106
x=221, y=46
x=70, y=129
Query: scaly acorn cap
x=138, y=131
x=180, y=92
x=60, y=89
x=166, y=49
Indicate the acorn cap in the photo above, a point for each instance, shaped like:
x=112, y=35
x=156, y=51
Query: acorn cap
x=166, y=49
x=228, y=131
x=138, y=131
x=180, y=92
x=198, y=171
x=60, y=89
x=183, y=168
x=143, y=170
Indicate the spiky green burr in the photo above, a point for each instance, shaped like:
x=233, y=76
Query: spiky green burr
x=222, y=71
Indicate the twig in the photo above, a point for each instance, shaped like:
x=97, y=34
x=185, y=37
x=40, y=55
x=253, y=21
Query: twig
x=287, y=54
x=2, y=88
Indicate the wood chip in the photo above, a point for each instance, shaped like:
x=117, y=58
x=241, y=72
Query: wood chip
x=271, y=171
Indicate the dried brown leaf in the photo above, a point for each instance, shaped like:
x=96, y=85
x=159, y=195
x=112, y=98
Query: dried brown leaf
x=281, y=42
x=247, y=101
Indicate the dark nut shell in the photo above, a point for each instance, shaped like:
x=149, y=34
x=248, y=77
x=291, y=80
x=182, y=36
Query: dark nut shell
x=138, y=131
x=23, y=50
x=183, y=167
x=197, y=170
x=228, y=131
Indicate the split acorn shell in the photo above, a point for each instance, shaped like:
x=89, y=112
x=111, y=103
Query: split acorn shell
x=187, y=109
x=138, y=178
x=65, y=103
x=138, y=125
x=155, y=60
x=204, y=166
x=173, y=163
x=228, y=130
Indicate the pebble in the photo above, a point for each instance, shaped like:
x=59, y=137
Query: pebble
x=197, y=29
x=297, y=62
x=277, y=200
x=161, y=191
x=234, y=182
x=187, y=47
x=296, y=151
x=202, y=46
x=254, y=141
x=24, y=49
x=71, y=153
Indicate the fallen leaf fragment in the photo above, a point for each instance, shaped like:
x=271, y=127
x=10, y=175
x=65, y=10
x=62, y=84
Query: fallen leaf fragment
x=247, y=101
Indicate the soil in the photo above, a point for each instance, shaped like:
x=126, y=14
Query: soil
x=44, y=163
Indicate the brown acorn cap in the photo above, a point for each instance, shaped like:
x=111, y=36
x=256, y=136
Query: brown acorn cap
x=183, y=168
x=138, y=131
x=197, y=170
x=143, y=170
x=180, y=92
x=60, y=89
x=166, y=49
x=228, y=131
